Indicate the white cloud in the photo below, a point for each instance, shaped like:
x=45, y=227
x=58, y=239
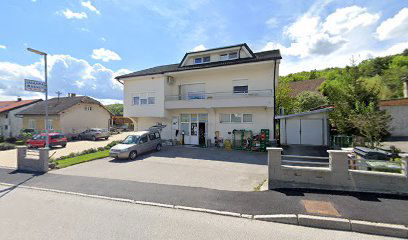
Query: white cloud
x=272, y=22
x=66, y=74
x=312, y=35
x=394, y=27
x=105, y=55
x=69, y=14
x=91, y=7
x=2, y=47
x=200, y=47
x=103, y=39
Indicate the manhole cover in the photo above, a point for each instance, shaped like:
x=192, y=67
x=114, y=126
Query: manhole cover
x=320, y=207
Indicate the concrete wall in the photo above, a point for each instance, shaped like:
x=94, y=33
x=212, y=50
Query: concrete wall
x=76, y=119
x=337, y=176
x=399, y=122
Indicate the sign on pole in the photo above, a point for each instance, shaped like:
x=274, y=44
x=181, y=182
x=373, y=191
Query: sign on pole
x=35, y=86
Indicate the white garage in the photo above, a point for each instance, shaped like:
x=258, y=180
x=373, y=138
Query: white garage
x=307, y=128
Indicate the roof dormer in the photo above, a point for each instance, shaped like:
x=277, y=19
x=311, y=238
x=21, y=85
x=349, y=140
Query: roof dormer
x=217, y=54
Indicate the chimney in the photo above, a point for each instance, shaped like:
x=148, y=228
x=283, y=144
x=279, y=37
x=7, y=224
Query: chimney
x=405, y=88
x=19, y=99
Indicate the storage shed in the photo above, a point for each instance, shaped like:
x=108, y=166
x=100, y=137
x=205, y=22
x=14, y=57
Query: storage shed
x=306, y=128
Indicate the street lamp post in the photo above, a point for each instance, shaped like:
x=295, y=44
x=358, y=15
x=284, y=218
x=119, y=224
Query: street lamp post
x=47, y=140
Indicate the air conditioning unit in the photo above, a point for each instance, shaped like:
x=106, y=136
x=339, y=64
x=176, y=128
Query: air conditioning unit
x=170, y=80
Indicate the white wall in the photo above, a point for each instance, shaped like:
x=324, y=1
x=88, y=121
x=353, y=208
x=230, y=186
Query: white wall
x=76, y=119
x=399, y=122
x=215, y=55
x=14, y=124
x=136, y=85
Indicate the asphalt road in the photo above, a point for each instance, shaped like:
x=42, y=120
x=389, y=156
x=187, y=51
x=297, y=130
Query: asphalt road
x=368, y=207
x=33, y=214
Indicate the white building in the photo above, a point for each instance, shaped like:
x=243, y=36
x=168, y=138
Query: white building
x=209, y=93
x=10, y=124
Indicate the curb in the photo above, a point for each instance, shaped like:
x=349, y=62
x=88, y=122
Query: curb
x=342, y=224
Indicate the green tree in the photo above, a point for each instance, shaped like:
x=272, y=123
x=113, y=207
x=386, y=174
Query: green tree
x=115, y=109
x=307, y=101
x=284, y=100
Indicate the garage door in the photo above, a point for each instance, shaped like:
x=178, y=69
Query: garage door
x=311, y=131
x=304, y=131
x=292, y=131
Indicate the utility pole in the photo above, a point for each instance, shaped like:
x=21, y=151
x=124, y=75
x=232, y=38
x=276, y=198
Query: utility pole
x=58, y=93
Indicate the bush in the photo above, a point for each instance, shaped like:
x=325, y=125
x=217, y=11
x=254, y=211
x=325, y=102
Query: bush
x=20, y=142
x=6, y=146
x=101, y=148
x=11, y=140
x=110, y=145
x=1, y=139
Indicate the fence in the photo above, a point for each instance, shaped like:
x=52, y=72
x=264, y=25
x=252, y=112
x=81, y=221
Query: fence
x=338, y=174
x=32, y=161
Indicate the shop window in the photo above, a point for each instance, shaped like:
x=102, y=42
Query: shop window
x=247, y=118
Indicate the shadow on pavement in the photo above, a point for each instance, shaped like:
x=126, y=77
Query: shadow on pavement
x=6, y=191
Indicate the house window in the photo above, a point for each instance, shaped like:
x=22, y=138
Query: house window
x=88, y=108
x=198, y=60
x=206, y=59
x=144, y=99
x=192, y=91
x=233, y=55
x=185, y=124
x=32, y=124
x=247, y=118
x=5, y=127
x=223, y=57
x=235, y=118
x=49, y=125
x=240, y=86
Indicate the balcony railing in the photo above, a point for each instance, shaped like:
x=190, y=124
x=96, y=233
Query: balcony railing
x=220, y=95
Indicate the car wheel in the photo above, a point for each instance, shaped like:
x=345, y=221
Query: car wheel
x=158, y=147
x=93, y=138
x=132, y=155
x=63, y=145
x=79, y=138
x=106, y=138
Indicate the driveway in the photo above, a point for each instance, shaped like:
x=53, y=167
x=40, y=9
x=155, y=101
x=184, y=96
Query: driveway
x=9, y=158
x=184, y=166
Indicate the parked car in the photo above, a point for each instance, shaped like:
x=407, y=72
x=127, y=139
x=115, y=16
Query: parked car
x=94, y=134
x=55, y=139
x=135, y=144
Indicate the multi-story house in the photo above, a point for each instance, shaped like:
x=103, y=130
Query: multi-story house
x=208, y=94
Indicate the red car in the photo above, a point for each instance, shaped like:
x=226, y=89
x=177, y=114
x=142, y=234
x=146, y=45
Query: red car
x=56, y=139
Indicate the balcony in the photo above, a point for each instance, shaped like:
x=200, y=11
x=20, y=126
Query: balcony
x=252, y=98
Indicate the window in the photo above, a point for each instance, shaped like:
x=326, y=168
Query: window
x=240, y=86
x=223, y=57
x=144, y=99
x=235, y=118
x=152, y=136
x=143, y=139
x=233, y=55
x=247, y=118
x=198, y=60
x=185, y=124
x=88, y=108
x=192, y=91
x=5, y=127
x=136, y=100
x=49, y=125
x=32, y=124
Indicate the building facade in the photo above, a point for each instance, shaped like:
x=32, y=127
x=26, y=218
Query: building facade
x=208, y=94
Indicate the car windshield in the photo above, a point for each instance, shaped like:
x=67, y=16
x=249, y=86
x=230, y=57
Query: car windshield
x=131, y=140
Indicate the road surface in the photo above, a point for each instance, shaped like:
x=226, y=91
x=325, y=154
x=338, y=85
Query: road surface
x=34, y=214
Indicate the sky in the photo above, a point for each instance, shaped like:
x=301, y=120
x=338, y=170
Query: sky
x=89, y=42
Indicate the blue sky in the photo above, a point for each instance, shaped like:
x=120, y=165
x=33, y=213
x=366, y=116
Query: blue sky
x=91, y=41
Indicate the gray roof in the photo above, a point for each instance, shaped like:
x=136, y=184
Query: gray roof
x=57, y=105
x=259, y=56
x=322, y=110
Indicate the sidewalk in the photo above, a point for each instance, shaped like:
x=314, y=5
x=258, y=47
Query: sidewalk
x=366, y=207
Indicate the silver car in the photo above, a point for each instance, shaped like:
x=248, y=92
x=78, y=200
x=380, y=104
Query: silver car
x=138, y=143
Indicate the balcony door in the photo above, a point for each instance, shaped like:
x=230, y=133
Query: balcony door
x=192, y=91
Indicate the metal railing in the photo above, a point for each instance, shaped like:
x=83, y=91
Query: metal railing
x=219, y=95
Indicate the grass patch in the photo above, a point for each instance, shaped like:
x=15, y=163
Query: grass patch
x=62, y=163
